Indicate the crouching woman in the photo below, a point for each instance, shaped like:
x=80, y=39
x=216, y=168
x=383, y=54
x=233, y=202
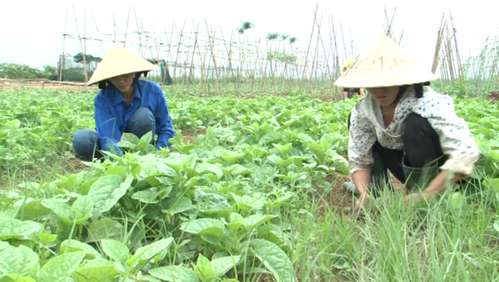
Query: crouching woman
x=404, y=126
x=124, y=103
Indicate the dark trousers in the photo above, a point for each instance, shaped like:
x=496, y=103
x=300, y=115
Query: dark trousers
x=418, y=161
x=86, y=141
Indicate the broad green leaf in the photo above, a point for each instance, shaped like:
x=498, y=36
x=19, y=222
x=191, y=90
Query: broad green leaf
x=60, y=208
x=339, y=163
x=283, y=149
x=107, y=191
x=19, y=260
x=16, y=278
x=11, y=228
x=98, y=270
x=319, y=150
x=237, y=169
x=47, y=238
x=31, y=209
x=215, y=169
x=223, y=264
x=115, y=250
x=128, y=140
x=249, y=203
x=180, y=162
x=205, y=270
x=145, y=143
x=231, y=156
x=82, y=209
x=279, y=198
x=148, y=196
x=174, y=273
x=212, y=204
x=204, y=226
x=274, y=259
x=255, y=220
x=235, y=221
x=61, y=267
x=10, y=212
x=180, y=205
x=75, y=182
x=274, y=233
x=144, y=254
x=154, y=168
x=79, y=212
x=70, y=245
x=105, y=228
x=494, y=154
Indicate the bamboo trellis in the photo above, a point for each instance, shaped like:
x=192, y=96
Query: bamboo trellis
x=194, y=53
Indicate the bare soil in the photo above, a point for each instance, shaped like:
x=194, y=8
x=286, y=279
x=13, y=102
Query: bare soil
x=15, y=84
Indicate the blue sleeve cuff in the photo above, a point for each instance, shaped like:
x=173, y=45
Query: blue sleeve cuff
x=162, y=141
x=109, y=145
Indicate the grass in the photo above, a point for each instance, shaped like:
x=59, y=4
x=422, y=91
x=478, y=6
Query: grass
x=390, y=242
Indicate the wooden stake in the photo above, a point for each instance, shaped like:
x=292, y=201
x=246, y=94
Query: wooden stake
x=310, y=41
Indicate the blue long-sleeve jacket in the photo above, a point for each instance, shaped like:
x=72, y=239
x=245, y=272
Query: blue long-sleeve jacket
x=112, y=114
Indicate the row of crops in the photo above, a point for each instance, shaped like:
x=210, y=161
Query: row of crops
x=218, y=206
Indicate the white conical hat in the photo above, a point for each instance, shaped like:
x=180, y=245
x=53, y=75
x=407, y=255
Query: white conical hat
x=119, y=61
x=384, y=65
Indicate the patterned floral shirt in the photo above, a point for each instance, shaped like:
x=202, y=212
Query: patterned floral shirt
x=366, y=126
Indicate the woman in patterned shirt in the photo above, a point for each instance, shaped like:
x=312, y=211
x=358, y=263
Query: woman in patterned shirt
x=404, y=126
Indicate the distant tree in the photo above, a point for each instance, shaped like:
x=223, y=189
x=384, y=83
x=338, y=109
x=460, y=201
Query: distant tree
x=91, y=60
x=50, y=72
x=74, y=74
x=78, y=58
x=281, y=36
x=17, y=71
x=244, y=26
x=272, y=35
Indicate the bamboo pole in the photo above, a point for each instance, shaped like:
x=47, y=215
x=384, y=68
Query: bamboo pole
x=139, y=34
x=310, y=41
x=345, y=54
x=85, y=65
x=179, y=44
x=228, y=50
x=313, y=72
x=456, y=48
x=62, y=59
x=211, y=40
x=82, y=44
x=126, y=28
x=438, y=44
x=191, y=68
x=336, y=63
x=99, y=36
x=449, y=51
x=326, y=54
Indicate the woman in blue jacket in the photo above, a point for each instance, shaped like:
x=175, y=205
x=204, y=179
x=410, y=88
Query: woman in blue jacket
x=124, y=103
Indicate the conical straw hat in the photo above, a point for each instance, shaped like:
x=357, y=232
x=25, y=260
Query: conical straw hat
x=119, y=61
x=384, y=65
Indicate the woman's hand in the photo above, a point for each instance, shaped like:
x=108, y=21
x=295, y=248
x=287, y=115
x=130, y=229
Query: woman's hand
x=361, y=180
x=413, y=198
x=361, y=202
x=436, y=186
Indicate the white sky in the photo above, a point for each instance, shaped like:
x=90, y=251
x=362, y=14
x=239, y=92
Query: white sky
x=31, y=30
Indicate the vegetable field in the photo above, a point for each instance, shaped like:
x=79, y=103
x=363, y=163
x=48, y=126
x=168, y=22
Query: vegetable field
x=249, y=191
